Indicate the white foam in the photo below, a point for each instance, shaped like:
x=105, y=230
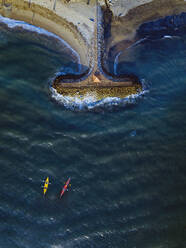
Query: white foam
x=118, y=55
x=171, y=37
x=11, y=23
x=116, y=62
x=167, y=37
x=90, y=102
x=137, y=43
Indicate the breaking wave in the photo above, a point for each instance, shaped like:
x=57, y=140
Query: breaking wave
x=89, y=102
x=12, y=23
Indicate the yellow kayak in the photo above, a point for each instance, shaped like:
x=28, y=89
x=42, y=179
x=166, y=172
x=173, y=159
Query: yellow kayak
x=46, y=186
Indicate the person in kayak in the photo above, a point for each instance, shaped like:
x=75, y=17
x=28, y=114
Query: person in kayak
x=65, y=188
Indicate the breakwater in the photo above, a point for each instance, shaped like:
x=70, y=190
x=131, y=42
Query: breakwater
x=98, y=81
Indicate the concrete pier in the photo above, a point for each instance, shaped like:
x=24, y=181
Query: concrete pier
x=95, y=80
x=76, y=23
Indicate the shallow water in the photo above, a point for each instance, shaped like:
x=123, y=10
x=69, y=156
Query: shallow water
x=127, y=165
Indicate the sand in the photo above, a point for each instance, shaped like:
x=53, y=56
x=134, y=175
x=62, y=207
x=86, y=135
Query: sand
x=124, y=28
x=67, y=21
x=75, y=23
x=77, y=13
x=121, y=7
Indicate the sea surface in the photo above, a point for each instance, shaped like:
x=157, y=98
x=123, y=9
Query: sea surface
x=127, y=162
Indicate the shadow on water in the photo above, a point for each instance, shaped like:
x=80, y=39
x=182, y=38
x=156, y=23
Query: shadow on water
x=168, y=27
x=66, y=77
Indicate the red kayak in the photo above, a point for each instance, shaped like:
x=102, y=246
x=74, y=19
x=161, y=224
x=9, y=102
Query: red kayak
x=65, y=187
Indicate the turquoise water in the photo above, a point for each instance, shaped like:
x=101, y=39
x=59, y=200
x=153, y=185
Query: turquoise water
x=126, y=163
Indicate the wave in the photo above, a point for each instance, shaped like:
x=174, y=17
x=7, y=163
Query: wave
x=89, y=102
x=121, y=52
x=141, y=42
x=167, y=37
x=171, y=37
x=137, y=43
x=116, y=62
x=12, y=23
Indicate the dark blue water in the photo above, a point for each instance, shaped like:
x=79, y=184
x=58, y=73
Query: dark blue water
x=127, y=166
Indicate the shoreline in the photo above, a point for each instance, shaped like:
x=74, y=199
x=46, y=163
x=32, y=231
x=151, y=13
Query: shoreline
x=124, y=28
x=46, y=19
x=17, y=25
x=120, y=32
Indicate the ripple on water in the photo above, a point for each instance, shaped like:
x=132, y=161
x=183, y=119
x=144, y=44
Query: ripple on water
x=126, y=191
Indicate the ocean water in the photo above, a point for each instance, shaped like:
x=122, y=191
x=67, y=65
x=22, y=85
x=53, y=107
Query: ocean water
x=126, y=162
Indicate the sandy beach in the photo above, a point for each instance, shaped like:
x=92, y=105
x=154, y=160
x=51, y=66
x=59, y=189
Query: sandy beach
x=133, y=13
x=72, y=26
x=75, y=21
